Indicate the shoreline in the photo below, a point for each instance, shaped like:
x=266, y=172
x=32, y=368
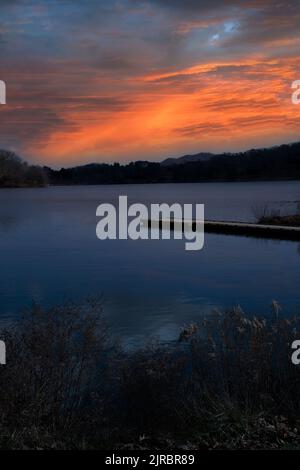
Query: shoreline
x=146, y=183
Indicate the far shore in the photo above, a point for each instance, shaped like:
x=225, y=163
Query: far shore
x=145, y=183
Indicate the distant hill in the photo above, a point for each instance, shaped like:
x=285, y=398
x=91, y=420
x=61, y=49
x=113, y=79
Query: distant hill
x=275, y=163
x=199, y=157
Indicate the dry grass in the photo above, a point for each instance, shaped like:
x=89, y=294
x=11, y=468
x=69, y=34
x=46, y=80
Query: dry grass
x=57, y=360
x=226, y=383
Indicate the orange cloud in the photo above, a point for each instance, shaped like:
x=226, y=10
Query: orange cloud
x=218, y=106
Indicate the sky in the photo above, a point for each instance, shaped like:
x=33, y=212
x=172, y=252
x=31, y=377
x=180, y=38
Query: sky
x=124, y=80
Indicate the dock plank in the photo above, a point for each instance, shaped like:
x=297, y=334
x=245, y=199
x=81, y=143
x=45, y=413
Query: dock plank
x=278, y=232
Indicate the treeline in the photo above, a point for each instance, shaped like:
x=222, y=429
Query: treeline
x=276, y=163
x=282, y=162
x=15, y=173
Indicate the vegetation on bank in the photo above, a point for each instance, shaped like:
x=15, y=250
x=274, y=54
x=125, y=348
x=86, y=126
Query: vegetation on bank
x=265, y=215
x=227, y=383
x=15, y=173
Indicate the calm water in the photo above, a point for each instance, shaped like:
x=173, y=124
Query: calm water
x=49, y=252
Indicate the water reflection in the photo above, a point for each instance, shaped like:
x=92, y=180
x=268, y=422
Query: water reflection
x=49, y=251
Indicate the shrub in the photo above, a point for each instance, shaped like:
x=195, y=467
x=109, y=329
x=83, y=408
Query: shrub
x=227, y=382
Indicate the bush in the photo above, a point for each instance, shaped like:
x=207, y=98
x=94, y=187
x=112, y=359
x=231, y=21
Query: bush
x=53, y=371
x=226, y=383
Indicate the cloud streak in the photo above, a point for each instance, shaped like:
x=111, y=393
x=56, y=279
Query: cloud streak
x=129, y=79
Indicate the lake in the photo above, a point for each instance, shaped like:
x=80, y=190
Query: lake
x=50, y=253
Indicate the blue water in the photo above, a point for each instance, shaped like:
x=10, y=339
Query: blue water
x=49, y=252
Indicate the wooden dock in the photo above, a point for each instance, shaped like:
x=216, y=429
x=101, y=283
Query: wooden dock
x=278, y=232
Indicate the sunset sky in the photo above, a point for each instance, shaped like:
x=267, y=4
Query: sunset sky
x=123, y=80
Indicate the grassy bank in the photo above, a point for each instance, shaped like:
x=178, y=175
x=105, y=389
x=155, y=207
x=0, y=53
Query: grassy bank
x=226, y=383
x=15, y=173
x=283, y=220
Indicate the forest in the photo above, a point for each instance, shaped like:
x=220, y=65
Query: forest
x=276, y=163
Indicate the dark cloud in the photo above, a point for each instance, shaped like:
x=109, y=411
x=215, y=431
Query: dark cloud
x=204, y=6
x=22, y=126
